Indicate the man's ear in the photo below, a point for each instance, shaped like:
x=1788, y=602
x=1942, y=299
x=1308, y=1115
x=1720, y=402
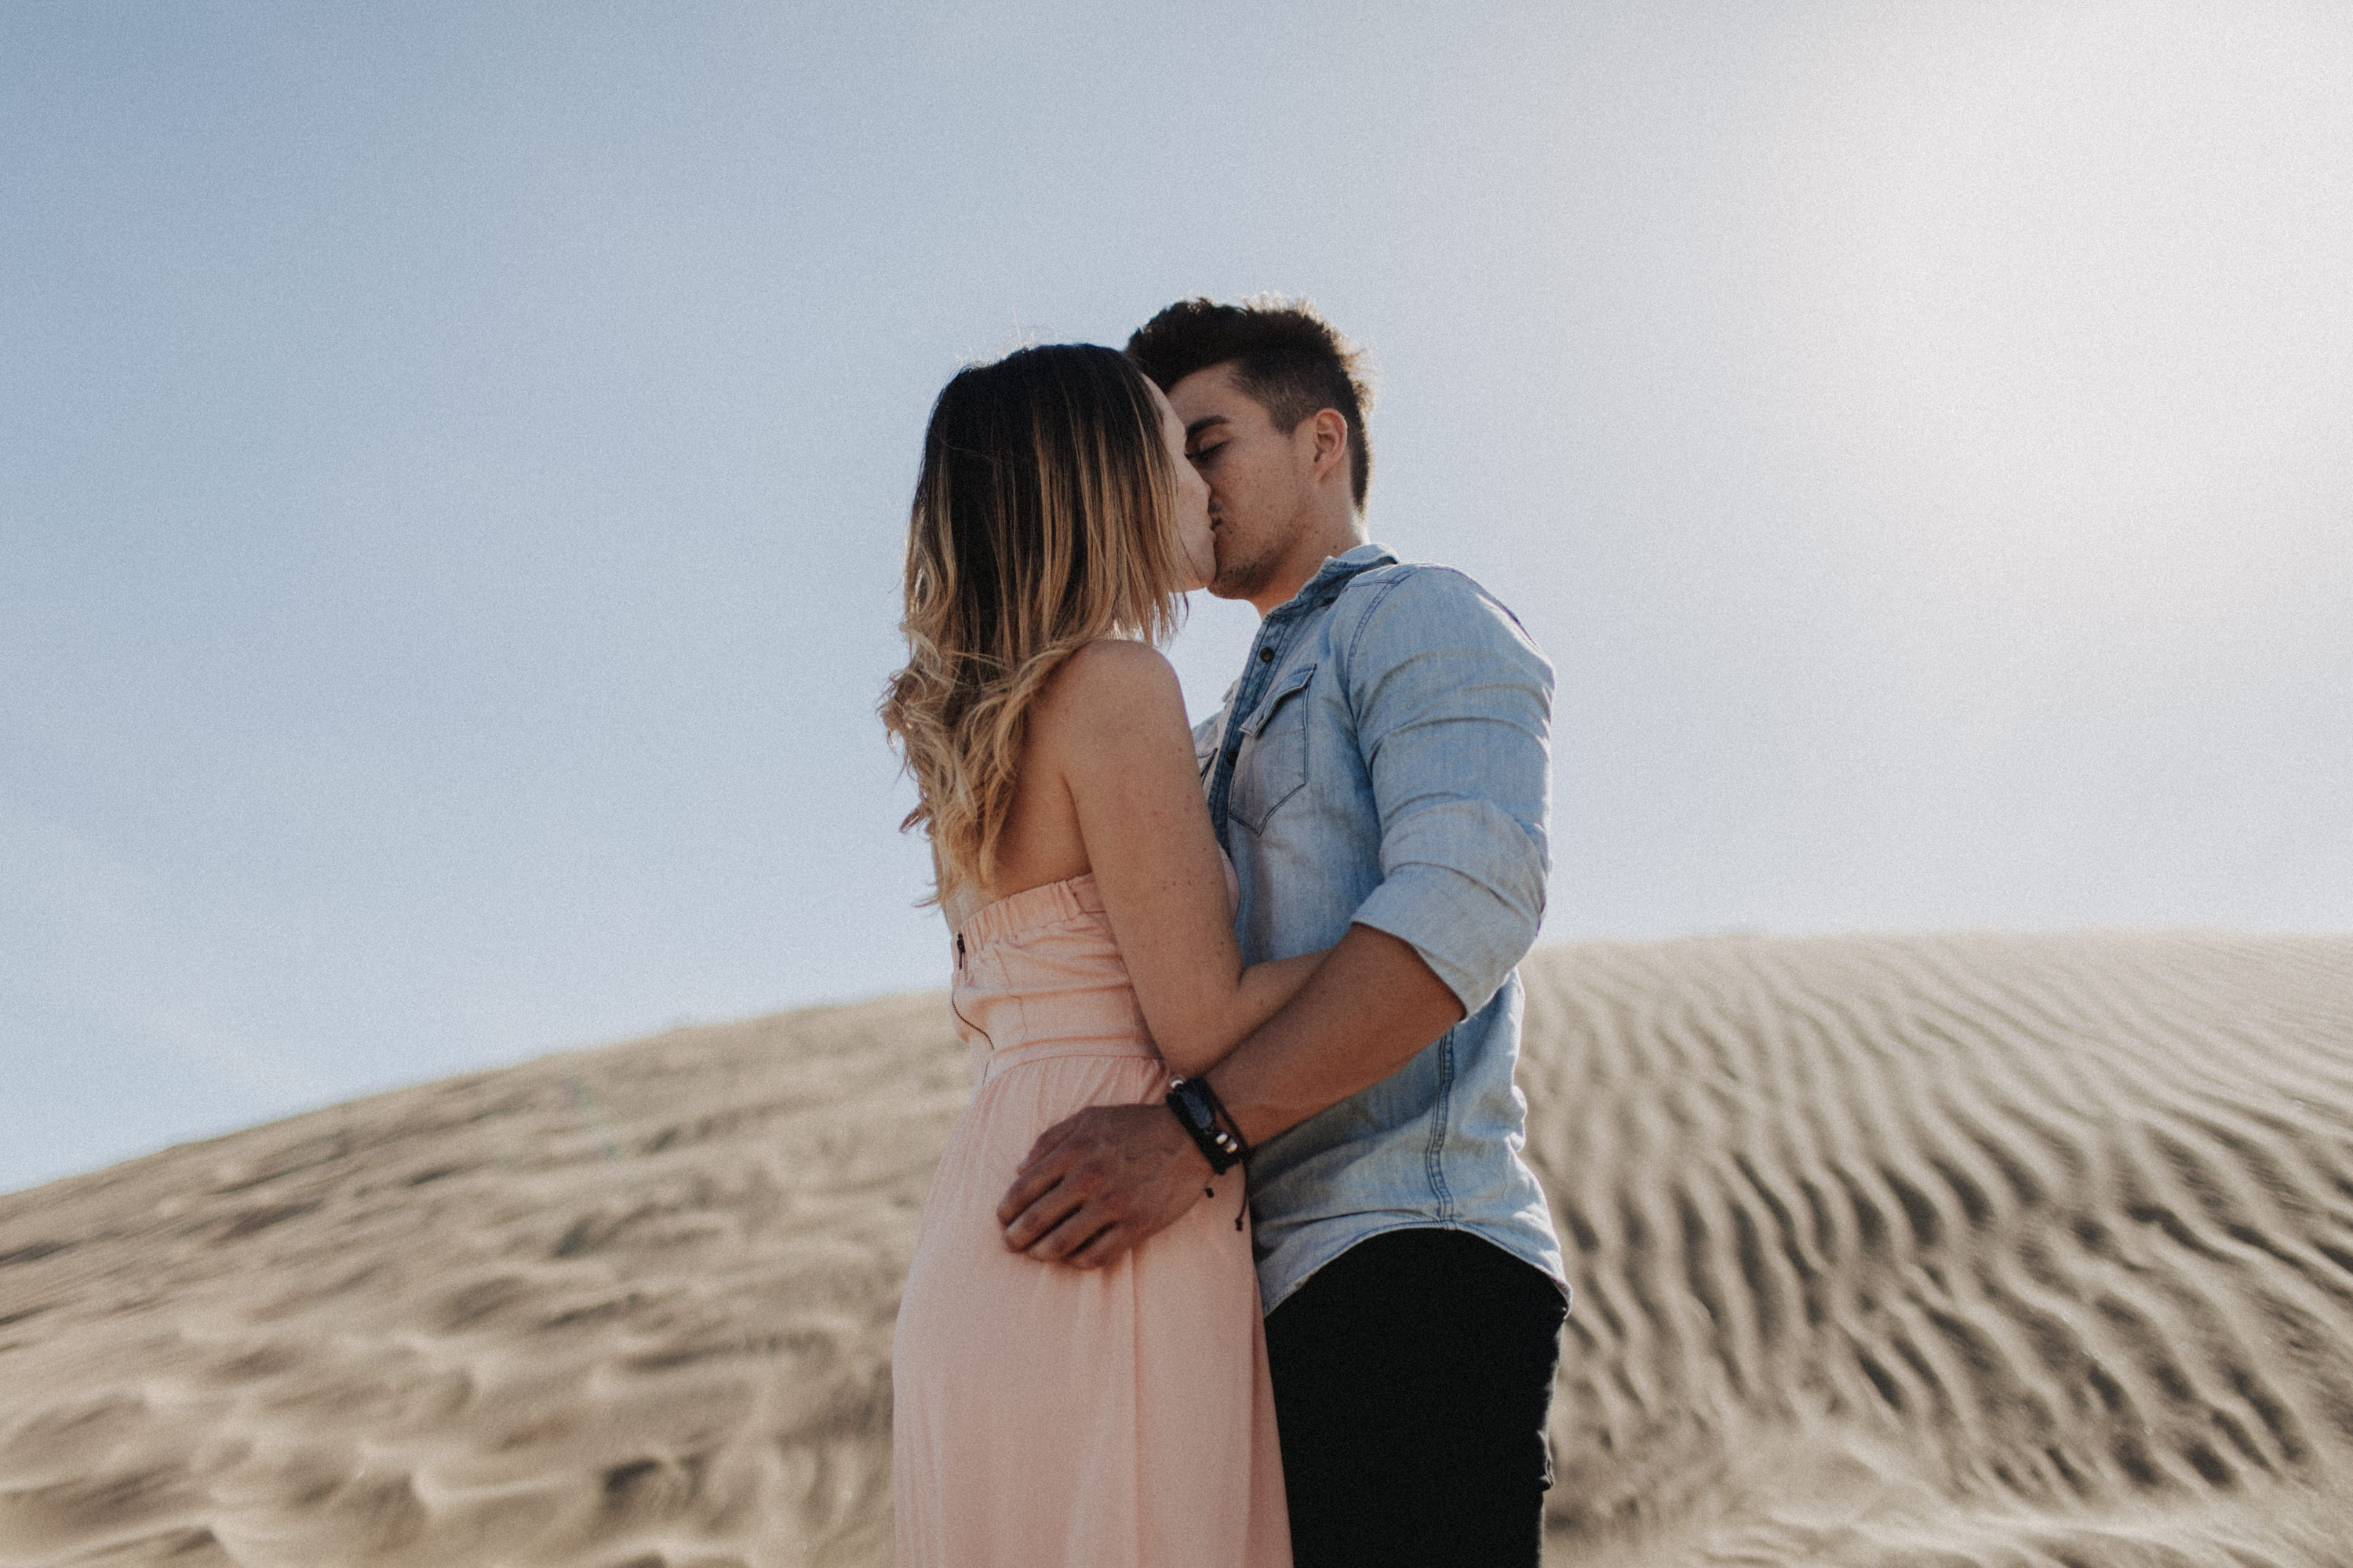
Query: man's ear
x=1330, y=429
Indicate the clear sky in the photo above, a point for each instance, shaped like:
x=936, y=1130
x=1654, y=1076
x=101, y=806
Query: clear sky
x=453, y=462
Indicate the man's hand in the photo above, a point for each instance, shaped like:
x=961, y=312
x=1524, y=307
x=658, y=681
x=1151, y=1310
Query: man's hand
x=1098, y=1183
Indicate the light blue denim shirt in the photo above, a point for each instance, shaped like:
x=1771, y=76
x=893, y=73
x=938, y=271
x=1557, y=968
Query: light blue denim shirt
x=1386, y=759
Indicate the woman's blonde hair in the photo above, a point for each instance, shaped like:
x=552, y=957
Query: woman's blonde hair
x=1044, y=519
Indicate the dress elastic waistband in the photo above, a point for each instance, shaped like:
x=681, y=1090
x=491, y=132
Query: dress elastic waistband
x=994, y=1063
x=1045, y=904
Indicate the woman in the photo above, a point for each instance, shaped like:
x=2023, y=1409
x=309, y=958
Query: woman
x=1046, y=1414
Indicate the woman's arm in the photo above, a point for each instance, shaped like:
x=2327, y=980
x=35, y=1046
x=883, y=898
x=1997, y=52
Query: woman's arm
x=1111, y=728
x=1264, y=988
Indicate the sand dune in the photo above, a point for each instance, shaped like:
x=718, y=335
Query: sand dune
x=1901, y=1250
x=1981, y=1249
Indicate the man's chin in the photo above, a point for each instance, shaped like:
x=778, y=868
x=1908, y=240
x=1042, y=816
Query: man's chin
x=1238, y=581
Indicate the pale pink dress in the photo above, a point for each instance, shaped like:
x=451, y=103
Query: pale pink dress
x=1117, y=1418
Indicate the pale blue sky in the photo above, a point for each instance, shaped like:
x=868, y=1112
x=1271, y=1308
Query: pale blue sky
x=453, y=462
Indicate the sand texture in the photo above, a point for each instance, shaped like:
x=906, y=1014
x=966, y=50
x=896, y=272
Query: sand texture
x=1943, y=1250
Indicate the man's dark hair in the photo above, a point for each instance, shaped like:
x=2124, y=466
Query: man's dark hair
x=1284, y=354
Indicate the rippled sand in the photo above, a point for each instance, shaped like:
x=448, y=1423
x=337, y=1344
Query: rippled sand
x=1888, y=1250
x=1957, y=1250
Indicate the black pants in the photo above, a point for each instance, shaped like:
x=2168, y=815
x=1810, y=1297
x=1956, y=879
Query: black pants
x=1412, y=1375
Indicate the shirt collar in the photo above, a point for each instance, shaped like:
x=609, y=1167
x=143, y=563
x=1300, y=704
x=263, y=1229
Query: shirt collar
x=1335, y=569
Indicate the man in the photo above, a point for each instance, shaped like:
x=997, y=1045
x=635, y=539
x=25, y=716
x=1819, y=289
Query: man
x=1380, y=777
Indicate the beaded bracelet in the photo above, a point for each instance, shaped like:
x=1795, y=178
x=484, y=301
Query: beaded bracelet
x=1196, y=1108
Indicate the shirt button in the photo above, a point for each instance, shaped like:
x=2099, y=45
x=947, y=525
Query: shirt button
x=1266, y=656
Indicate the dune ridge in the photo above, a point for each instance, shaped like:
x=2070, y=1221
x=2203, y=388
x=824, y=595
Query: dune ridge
x=1964, y=1249
x=1923, y=1249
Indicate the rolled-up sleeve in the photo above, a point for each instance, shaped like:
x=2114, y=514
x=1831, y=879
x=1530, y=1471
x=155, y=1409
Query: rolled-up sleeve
x=1452, y=706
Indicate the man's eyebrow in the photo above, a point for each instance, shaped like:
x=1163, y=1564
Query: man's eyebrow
x=1202, y=424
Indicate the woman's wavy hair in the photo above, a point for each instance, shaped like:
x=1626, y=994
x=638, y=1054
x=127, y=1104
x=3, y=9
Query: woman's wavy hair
x=1044, y=519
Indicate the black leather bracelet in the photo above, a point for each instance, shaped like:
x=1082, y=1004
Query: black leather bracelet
x=1198, y=1111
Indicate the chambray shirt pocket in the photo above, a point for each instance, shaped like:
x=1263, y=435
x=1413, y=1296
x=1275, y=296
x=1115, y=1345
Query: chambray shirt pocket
x=1271, y=764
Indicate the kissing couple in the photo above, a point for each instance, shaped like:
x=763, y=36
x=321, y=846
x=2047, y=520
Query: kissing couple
x=1232, y=1260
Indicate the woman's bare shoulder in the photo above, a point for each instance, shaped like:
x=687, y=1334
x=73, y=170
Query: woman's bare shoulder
x=1111, y=681
x=1107, y=658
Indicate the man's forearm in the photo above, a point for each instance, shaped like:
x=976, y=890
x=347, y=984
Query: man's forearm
x=1371, y=1007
